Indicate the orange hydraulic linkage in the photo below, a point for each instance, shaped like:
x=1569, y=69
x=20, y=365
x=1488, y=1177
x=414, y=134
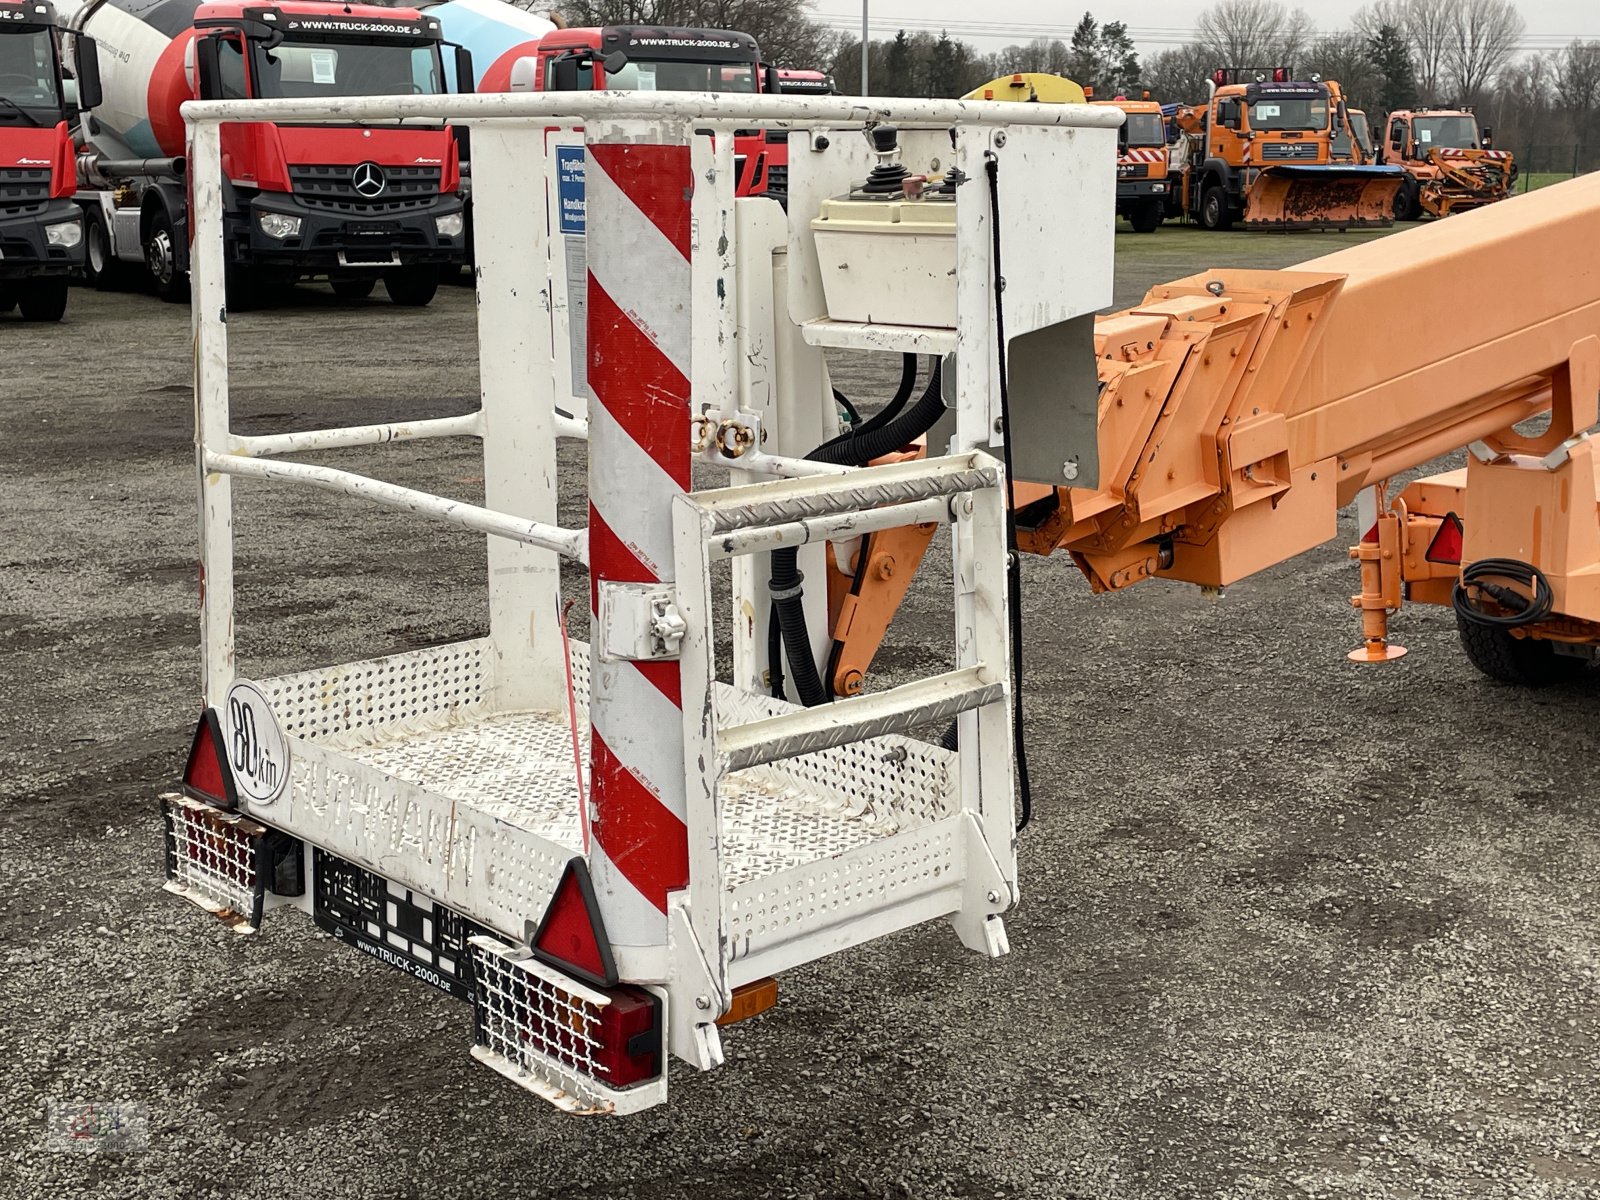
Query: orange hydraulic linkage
x=1240, y=410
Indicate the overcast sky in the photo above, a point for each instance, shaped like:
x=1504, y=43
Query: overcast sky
x=1156, y=24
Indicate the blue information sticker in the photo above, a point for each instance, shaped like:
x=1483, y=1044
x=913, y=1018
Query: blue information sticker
x=569, y=188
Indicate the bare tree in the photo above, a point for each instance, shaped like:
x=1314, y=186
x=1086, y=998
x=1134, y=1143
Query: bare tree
x=1483, y=37
x=1430, y=28
x=1178, y=76
x=1347, y=57
x=1577, y=78
x=1253, y=33
x=1051, y=55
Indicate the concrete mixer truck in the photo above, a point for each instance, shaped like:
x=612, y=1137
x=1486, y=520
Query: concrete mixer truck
x=41, y=234
x=353, y=204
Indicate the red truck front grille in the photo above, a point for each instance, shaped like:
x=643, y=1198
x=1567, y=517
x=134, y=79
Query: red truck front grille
x=24, y=190
x=333, y=188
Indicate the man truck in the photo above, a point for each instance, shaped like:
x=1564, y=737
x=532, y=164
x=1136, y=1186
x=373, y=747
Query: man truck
x=1261, y=153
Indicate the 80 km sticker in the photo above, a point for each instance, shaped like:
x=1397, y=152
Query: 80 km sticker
x=257, y=751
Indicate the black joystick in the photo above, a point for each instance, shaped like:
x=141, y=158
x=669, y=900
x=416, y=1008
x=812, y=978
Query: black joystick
x=887, y=175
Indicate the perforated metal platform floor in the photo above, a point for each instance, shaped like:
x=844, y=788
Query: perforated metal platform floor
x=519, y=768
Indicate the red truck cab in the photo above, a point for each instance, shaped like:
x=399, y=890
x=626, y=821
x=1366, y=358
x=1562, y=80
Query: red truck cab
x=647, y=58
x=41, y=229
x=353, y=203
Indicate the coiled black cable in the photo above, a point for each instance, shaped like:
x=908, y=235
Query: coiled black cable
x=787, y=582
x=1476, y=583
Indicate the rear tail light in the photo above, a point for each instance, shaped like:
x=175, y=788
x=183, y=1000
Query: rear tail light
x=587, y=1049
x=213, y=859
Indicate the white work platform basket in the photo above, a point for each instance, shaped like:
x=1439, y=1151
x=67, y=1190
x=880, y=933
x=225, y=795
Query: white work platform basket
x=444, y=797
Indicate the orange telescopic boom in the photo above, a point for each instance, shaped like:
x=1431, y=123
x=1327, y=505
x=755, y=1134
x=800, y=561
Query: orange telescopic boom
x=1240, y=409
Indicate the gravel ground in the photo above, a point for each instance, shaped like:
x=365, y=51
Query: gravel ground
x=1291, y=927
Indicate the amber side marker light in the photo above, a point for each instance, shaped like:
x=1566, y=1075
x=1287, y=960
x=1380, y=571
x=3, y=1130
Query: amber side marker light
x=751, y=1000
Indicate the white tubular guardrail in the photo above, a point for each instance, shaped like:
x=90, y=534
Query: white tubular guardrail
x=574, y=543
x=345, y=437
x=707, y=109
x=833, y=526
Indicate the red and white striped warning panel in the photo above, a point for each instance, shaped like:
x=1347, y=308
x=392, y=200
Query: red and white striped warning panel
x=1136, y=155
x=639, y=359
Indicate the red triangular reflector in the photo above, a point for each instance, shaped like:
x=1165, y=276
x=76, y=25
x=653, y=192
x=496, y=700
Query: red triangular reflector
x=572, y=937
x=206, y=775
x=1446, y=544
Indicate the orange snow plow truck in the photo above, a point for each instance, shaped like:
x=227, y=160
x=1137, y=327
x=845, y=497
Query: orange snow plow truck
x=1142, y=163
x=1448, y=162
x=1260, y=153
x=1142, y=166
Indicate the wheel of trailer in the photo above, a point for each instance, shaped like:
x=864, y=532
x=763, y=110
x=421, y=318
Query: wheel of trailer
x=1526, y=662
x=355, y=289
x=1146, y=216
x=43, y=299
x=100, y=269
x=1214, y=209
x=412, y=286
x=161, y=257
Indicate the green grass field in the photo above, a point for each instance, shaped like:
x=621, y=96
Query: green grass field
x=1532, y=181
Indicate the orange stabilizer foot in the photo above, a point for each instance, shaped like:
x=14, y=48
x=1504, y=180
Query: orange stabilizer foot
x=1377, y=652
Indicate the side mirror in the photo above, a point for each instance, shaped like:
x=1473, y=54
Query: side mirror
x=465, y=78
x=1487, y=138
x=769, y=81
x=525, y=75
x=86, y=68
x=614, y=61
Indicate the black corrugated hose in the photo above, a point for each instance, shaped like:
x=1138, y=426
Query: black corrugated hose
x=885, y=432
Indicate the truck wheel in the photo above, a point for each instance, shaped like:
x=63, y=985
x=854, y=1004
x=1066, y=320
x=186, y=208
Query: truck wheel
x=101, y=269
x=1406, y=205
x=43, y=299
x=412, y=286
x=356, y=289
x=161, y=256
x=1146, y=216
x=1526, y=662
x=1214, y=212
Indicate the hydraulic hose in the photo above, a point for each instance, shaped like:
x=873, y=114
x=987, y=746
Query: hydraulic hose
x=787, y=581
x=891, y=410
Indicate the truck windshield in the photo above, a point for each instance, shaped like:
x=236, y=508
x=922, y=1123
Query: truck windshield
x=1458, y=133
x=1144, y=129
x=28, y=90
x=647, y=75
x=1358, y=122
x=1303, y=115
x=301, y=68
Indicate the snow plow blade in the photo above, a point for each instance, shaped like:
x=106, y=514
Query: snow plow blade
x=1323, y=197
x=1466, y=179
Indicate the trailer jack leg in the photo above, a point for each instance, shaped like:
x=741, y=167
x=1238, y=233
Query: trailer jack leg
x=1379, y=554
